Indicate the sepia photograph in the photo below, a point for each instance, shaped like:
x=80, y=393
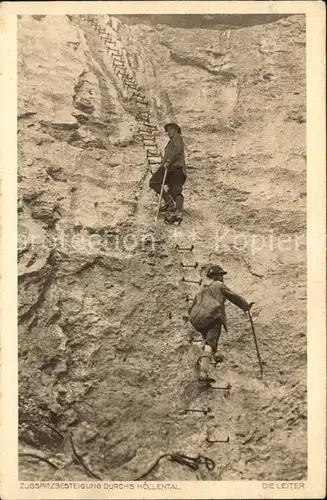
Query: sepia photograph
x=162, y=246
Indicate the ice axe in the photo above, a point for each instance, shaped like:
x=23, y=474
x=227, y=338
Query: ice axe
x=160, y=197
x=255, y=338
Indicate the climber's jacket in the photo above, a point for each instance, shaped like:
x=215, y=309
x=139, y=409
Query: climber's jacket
x=220, y=293
x=174, y=154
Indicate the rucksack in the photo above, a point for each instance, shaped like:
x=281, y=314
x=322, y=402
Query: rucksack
x=205, y=310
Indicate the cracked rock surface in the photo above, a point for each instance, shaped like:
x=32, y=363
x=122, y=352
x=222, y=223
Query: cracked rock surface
x=104, y=354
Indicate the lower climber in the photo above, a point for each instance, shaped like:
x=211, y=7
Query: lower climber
x=174, y=161
x=216, y=318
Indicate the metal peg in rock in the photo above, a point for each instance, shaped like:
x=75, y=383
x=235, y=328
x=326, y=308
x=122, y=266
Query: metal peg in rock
x=130, y=79
x=117, y=56
x=200, y=357
x=150, y=125
x=154, y=162
x=118, y=61
x=190, y=265
x=120, y=72
x=126, y=85
x=96, y=206
x=138, y=95
x=153, y=127
x=205, y=411
x=149, y=138
x=141, y=118
x=197, y=282
x=217, y=440
x=141, y=100
x=115, y=53
x=225, y=389
x=117, y=66
x=131, y=84
x=153, y=158
x=184, y=249
x=156, y=155
x=143, y=113
x=147, y=144
x=141, y=103
x=146, y=132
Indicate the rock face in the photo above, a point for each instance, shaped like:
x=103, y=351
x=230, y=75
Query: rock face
x=103, y=350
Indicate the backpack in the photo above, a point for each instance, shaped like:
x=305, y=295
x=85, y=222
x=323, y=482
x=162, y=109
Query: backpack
x=205, y=310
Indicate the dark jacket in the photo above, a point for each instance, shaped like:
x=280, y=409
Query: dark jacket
x=221, y=292
x=174, y=154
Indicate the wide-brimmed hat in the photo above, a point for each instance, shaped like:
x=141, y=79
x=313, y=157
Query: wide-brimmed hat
x=215, y=270
x=172, y=125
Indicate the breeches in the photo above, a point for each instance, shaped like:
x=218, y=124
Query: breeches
x=211, y=334
x=175, y=180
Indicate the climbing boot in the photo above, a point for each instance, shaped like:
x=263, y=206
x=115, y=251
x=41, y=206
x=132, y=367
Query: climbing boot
x=172, y=218
x=178, y=215
x=205, y=379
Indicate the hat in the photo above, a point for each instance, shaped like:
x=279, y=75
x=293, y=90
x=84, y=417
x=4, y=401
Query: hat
x=215, y=270
x=172, y=125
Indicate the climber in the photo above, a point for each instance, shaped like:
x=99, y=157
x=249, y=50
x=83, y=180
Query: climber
x=211, y=332
x=174, y=162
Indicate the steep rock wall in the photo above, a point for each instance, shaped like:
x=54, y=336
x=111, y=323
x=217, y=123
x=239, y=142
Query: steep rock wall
x=103, y=350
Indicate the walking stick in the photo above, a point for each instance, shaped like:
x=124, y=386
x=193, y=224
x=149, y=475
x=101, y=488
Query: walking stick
x=255, y=341
x=161, y=192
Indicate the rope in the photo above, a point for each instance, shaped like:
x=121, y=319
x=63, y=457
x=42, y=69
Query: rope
x=192, y=463
x=43, y=459
x=152, y=466
x=46, y=425
x=80, y=460
x=76, y=455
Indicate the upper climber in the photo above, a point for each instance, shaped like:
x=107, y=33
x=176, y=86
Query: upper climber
x=174, y=161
